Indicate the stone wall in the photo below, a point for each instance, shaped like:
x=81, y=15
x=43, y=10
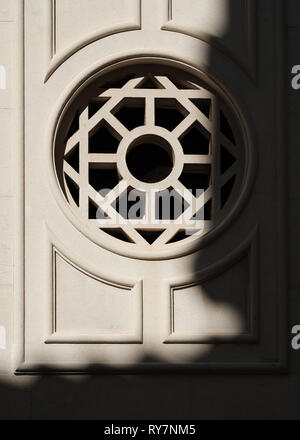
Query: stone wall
x=261, y=396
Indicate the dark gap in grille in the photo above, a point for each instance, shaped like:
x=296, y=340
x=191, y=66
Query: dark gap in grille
x=204, y=213
x=103, y=178
x=225, y=128
x=167, y=113
x=150, y=236
x=131, y=112
x=195, y=140
x=74, y=126
x=94, y=106
x=226, y=190
x=181, y=235
x=117, y=233
x=72, y=158
x=203, y=105
x=95, y=212
x=183, y=84
x=149, y=82
x=118, y=83
x=196, y=178
x=102, y=140
x=73, y=188
x=149, y=162
x=226, y=159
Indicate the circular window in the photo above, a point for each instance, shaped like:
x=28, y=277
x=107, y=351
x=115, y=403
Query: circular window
x=149, y=155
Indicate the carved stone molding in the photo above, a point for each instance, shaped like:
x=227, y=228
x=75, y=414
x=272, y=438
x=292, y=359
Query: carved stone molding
x=213, y=27
x=40, y=312
x=60, y=51
x=102, y=311
x=234, y=324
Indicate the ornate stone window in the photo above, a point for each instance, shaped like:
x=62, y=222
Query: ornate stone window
x=150, y=155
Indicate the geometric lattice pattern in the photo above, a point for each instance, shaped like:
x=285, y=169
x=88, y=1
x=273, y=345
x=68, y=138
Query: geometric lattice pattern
x=165, y=150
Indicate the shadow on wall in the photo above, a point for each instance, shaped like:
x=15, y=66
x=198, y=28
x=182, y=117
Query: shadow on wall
x=164, y=395
x=130, y=397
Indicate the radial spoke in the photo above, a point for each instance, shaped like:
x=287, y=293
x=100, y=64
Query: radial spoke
x=116, y=125
x=198, y=159
x=72, y=142
x=102, y=112
x=71, y=172
x=232, y=148
x=184, y=125
x=150, y=111
x=232, y=171
x=102, y=159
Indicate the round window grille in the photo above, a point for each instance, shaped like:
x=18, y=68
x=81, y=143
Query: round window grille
x=150, y=155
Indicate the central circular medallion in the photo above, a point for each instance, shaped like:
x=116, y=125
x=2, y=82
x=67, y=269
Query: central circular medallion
x=150, y=158
x=149, y=155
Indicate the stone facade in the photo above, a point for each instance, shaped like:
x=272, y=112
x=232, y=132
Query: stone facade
x=130, y=396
